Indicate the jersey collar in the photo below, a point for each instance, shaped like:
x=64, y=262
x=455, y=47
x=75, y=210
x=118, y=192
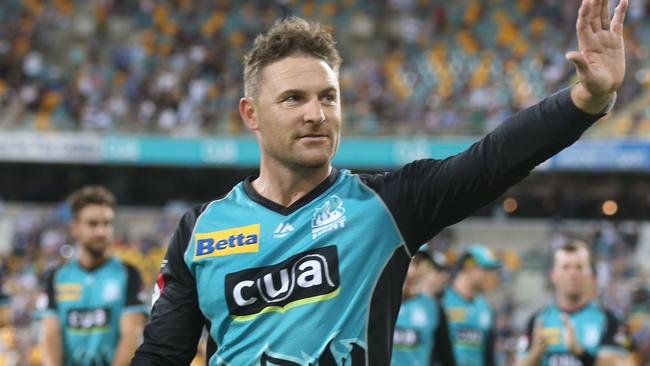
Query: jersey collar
x=322, y=187
x=583, y=307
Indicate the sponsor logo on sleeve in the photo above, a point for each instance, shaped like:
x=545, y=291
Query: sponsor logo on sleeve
x=304, y=278
x=158, y=288
x=244, y=239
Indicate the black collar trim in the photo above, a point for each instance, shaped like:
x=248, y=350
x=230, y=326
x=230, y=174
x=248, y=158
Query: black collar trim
x=317, y=191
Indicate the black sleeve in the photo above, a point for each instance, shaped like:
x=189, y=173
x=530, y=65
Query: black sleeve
x=443, y=353
x=48, y=301
x=174, y=329
x=133, y=286
x=427, y=195
x=489, y=347
x=528, y=335
x=615, y=334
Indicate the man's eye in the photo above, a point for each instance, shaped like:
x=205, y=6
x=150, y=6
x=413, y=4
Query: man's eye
x=329, y=98
x=292, y=98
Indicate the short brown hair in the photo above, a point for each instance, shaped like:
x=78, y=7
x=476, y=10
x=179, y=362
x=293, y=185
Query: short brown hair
x=90, y=195
x=288, y=37
x=573, y=246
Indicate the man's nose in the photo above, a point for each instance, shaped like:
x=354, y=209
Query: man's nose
x=314, y=112
x=101, y=230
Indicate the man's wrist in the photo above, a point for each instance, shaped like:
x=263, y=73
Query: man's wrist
x=590, y=103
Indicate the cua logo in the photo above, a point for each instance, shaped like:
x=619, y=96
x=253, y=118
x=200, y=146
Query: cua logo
x=244, y=239
x=328, y=217
x=304, y=278
x=405, y=338
x=86, y=320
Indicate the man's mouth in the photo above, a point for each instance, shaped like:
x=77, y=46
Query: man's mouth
x=313, y=137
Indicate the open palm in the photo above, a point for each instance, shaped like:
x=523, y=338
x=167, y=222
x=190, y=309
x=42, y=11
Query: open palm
x=600, y=59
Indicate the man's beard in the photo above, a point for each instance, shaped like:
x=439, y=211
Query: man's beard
x=95, y=251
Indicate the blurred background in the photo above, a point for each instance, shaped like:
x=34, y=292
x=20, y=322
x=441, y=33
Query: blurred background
x=141, y=96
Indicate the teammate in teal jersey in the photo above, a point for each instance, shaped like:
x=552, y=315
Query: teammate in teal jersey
x=471, y=317
x=435, y=281
x=574, y=330
x=92, y=308
x=421, y=335
x=304, y=263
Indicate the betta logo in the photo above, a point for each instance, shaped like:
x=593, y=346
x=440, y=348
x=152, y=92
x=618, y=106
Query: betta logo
x=244, y=239
x=304, y=278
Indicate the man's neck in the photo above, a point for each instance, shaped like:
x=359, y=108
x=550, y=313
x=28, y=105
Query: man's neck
x=463, y=287
x=89, y=261
x=571, y=304
x=285, y=186
x=408, y=293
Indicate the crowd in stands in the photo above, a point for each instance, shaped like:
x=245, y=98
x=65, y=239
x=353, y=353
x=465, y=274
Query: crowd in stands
x=33, y=239
x=174, y=67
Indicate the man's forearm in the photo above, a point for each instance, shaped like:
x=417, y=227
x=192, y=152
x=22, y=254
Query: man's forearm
x=51, y=352
x=613, y=359
x=125, y=350
x=131, y=326
x=51, y=343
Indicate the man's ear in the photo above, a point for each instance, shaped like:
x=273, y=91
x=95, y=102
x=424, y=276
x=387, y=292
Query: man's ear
x=72, y=227
x=248, y=113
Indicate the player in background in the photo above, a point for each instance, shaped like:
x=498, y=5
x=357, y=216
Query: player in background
x=471, y=317
x=574, y=330
x=92, y=307
x=435, y=281
x=421, y=336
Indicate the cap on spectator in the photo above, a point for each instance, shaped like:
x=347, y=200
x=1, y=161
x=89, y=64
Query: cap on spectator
x=437, y=258
x=483, y=256
x=440, y=261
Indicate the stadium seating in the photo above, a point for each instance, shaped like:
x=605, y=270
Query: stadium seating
x=433, y=67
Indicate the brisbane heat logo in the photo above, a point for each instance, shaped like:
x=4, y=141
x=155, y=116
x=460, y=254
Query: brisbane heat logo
x=330, y=216
x=304, y=278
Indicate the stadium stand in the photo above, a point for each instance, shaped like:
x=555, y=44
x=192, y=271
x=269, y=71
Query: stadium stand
x=433, y=67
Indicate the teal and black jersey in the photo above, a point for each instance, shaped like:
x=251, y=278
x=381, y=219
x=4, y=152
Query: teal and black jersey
x=421, y=336
x=320, y=281
x=89, y=305
x=471, y=328
x=595, y=327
